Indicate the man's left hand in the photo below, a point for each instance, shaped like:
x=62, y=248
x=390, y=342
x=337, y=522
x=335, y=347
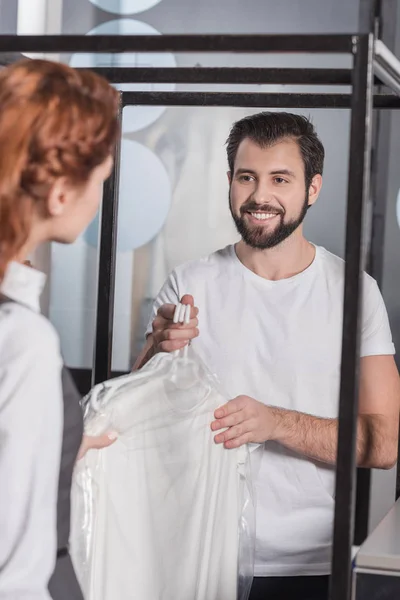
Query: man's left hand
x=247, y=421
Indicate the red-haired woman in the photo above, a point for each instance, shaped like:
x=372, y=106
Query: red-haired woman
x=58, y=127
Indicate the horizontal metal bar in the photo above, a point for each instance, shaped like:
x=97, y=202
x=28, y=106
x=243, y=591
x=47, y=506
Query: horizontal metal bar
x=178, y=43
x=227, y=75
x=224, y=75
x=250, y=99
x=215, y=75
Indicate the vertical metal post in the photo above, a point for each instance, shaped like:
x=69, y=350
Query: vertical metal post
x=381, y=145
x=380, y=18
x=106, y=271
x=357, y=197
x=369, y=17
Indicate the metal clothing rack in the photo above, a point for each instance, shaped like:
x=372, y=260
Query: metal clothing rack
x=373, y=64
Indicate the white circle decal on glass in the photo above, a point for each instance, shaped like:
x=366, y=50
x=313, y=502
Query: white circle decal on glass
x=135, y=117
x=125, y=7
x=144, y=198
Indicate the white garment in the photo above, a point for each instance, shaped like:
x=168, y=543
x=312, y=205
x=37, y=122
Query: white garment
x=280, y=343
x=163, y=520
x=30, y=438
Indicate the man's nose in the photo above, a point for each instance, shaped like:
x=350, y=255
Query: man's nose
x=263, y=193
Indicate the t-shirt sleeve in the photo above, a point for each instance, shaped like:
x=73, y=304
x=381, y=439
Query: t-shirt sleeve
x=376, y=337
x=169, y=294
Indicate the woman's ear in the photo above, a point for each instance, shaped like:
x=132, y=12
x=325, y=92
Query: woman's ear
x=58, y=198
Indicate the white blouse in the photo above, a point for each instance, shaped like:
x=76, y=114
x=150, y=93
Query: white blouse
x=31, y=420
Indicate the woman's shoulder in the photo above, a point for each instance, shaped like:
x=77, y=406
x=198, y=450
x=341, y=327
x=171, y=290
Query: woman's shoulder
x=24, y=331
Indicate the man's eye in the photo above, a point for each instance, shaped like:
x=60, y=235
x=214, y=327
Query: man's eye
x=246, y=178
x=280, y=180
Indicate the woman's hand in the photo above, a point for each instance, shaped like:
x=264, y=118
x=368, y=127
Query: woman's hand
x=97, y=442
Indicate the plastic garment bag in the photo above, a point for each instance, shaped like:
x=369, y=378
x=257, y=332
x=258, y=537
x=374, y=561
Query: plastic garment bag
x=164, y=513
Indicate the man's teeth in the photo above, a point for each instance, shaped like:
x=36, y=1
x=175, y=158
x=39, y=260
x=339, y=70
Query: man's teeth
x=263, y=216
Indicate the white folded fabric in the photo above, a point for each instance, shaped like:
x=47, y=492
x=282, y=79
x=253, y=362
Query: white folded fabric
x=156, y=515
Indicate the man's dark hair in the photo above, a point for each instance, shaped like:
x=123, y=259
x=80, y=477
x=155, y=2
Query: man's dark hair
x=268, y=128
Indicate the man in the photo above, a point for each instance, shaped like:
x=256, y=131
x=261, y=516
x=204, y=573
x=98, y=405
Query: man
x=271, y=311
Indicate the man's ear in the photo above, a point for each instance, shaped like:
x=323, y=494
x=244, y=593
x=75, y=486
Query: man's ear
x=229, y=174
x=314, y=189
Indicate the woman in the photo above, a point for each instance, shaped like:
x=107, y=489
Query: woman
x=58, y=128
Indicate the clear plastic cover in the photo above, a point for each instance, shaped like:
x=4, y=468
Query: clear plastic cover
x=164, y=513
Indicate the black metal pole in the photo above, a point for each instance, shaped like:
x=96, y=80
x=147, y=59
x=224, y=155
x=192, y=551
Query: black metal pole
x=260, y=43
x=357, y=196
x=253, y=99
x=106, y=272
x=381, y=146
x=369, y=16
x=381, y=19
x=225, y=75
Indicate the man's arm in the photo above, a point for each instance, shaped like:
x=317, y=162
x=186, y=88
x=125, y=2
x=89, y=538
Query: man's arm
x=146, y=354
x=379, y=409
x=377, y=428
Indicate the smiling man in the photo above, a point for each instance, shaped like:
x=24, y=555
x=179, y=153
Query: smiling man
x=265, y=225
x=268, y=321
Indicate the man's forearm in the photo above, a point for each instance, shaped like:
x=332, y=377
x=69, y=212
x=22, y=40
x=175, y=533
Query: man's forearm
x=146, y=354
x=316, y=437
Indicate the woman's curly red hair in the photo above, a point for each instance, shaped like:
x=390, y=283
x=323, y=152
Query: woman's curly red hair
x=55, y=121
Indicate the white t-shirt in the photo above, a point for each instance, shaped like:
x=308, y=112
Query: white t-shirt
x=280, y=343
x=163, y=503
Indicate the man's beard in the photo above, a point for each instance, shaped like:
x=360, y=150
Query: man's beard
x=257, y=237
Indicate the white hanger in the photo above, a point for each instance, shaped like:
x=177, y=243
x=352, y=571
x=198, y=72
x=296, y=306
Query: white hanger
x=182, y=315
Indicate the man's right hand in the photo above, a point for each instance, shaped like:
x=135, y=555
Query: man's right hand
x=168, y=336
